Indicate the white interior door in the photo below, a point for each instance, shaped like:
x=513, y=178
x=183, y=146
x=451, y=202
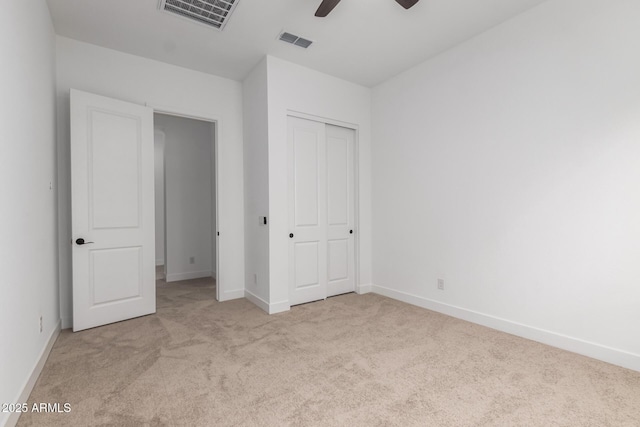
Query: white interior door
x=307, y=218
x=321, y=210
x=340, y=210
x=112, y=179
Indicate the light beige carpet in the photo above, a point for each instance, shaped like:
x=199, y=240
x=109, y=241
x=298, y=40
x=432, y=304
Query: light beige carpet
x=348, y=361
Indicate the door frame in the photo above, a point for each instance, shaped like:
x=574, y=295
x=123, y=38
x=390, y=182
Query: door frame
x=164, y=190
x=195, y=115
x=356, y=179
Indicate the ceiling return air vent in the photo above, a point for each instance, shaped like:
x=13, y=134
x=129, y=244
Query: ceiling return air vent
x=214, y=13
x=293, y=39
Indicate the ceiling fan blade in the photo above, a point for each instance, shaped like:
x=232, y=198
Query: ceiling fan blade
x=407, y=3
x=325, y=7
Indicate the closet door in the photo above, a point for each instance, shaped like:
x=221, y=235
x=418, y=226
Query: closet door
x=321, y=210
x=340, y=210
x=307, y=211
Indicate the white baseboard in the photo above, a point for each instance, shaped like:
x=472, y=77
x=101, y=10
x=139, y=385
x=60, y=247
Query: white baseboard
x=231, y=295
x=262, y=304
x=35, y=373
x=364, y=289
x=278, y=307
x=188, y=275
x=67, y=323
x=575, y=345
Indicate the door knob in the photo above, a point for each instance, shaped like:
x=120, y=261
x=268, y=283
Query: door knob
x=350, y=231
x=291, y=235
x=81, y=242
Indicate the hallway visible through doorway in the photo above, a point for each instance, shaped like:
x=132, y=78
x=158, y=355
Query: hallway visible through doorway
x=185, y=198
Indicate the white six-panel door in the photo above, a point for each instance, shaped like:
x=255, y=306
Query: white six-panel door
x=112, y=210
x=321, y=210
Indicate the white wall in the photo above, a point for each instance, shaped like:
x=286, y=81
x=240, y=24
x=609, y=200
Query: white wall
x=299, y=89
x=256, y=185
x=190, y=213
x=510, y=167
x=158, y=172
x=28, y=239
x=130, y=78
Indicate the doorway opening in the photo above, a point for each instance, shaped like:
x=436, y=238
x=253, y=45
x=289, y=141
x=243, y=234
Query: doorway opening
x=185, y=199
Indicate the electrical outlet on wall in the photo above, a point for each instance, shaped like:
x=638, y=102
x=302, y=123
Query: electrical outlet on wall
x=41, y=324
x=441, y=284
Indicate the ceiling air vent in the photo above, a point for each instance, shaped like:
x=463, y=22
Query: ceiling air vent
x=293, y=39
x=214, y=13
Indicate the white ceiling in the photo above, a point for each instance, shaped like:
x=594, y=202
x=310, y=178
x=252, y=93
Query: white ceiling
x=363, y=41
